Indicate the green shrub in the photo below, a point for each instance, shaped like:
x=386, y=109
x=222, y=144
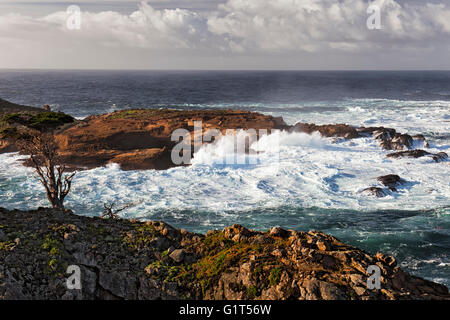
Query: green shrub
x=39, y=121
x=49, y=119
x=275, y=276
x=252, y=292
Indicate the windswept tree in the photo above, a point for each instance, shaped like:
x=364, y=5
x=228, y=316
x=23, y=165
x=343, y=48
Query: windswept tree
x=44, y=157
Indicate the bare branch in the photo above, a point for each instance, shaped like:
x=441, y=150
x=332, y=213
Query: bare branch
x=44, y=157
x=110, y=213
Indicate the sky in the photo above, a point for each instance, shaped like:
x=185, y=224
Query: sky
x=226, y=34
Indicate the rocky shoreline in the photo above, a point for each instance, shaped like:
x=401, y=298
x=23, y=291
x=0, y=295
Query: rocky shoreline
x=140, y=139
x=128, y=259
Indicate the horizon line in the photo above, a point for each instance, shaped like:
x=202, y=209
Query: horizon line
x=215, y=70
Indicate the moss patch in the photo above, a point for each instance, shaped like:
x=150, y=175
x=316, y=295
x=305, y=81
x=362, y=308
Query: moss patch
x=54, y=250
x=167, y=273
x=140, y=237
x=275, y=276
x=7, y=245
x=252, y=292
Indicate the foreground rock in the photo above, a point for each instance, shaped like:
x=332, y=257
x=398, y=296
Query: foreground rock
x=121, y=259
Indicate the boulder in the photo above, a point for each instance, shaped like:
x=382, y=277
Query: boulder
x=178, y=255
x=390, y=181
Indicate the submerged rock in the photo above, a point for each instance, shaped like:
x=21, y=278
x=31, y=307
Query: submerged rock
x=418, y=153
x=375, y=191
x=236, y=263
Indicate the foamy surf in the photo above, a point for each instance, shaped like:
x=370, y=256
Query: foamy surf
x=291, y=168
x=300, y=181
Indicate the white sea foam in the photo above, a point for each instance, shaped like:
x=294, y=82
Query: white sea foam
x=288, y=169
x=296, y=168
x=414, y=117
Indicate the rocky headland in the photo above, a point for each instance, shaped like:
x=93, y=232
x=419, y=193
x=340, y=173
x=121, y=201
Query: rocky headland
x=128, y=259
x=140, y=139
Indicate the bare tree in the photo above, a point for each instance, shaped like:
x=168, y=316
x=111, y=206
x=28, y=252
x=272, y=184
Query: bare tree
x=44, y=157
x=110, y=213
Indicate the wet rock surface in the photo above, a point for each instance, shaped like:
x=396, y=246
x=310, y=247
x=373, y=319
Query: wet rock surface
x=374, y=191
x=418, y=153
x=391, y=181
x=327, y=130
x=127, y=259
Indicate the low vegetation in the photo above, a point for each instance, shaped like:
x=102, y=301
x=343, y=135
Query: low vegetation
x=42, y=121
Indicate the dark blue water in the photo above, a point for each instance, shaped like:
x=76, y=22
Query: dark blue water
x=82, y=93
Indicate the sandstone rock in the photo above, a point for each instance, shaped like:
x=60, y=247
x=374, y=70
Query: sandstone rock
x=389, y=260
x=141, y=139
x=236, y=232
x=279, y=232
x=329, y=130
x=178, y=255
x=322, y=245
x=330, y=291
x=360, y=291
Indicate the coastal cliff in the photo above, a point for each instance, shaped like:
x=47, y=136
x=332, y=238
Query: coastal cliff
x=128, y=259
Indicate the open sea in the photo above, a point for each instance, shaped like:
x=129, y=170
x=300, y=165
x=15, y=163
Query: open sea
x=309, y=183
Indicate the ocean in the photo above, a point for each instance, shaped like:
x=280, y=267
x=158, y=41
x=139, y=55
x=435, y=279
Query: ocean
x=310, y=183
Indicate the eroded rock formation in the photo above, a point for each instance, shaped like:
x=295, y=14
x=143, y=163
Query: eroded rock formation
x=141, y=139
x=127, y=259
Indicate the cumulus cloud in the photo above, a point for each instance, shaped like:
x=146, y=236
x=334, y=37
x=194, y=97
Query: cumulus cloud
x=238, y=27
x=314, y=25
x=146, y=27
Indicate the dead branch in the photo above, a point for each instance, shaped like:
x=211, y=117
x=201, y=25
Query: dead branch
x=45, y=159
